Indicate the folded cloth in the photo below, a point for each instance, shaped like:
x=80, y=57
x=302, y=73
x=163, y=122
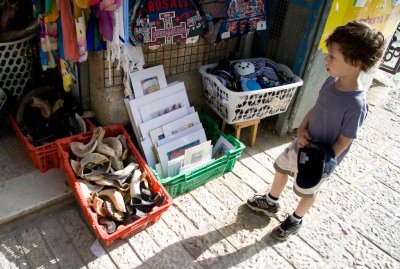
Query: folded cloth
x=314, y=162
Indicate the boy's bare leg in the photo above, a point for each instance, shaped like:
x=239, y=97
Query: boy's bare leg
x=304, y=205
x=279, y=184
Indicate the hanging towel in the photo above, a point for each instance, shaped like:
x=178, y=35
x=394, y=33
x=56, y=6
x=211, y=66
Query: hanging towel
x=68, y=31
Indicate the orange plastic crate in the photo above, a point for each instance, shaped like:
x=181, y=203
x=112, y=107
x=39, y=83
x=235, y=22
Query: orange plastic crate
x=123, y=231
x=43, y=157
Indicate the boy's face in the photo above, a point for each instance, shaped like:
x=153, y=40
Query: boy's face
x=336, y=64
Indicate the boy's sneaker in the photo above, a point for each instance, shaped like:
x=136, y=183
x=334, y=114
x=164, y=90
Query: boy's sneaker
x=259, y=203
x=285, y=229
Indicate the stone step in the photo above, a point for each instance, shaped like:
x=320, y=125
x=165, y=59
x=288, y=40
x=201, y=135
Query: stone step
x=32, y=192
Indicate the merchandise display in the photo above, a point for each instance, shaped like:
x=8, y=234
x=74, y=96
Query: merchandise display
x=248, y=94
x=167, y=128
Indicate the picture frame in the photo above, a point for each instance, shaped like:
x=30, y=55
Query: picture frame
x=176, y=148
x=146, y=143
x=174, y=166
x=147, y=81
x=165, y=105
x=189, y=168
x=134, y=104
x=181, y=124
x=159, y=170
x=179, y=134
x=197, y=153
x=149, y=152
x=152, y=124
x=221, y=147
x=156, y=135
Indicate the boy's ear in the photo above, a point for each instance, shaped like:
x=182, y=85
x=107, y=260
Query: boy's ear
x=357, y=64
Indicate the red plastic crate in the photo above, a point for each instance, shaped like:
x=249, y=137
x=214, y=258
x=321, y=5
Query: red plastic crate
x=123, y=231
x=43, y=157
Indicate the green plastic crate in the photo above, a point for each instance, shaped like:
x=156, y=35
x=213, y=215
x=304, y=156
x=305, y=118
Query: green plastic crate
x=183, y=183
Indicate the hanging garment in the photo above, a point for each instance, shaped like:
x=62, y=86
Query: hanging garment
x=164, y=22
x=80, y=26
x=48, y=34
x=86, y=3
x=68, y=31
x=215, y=14
x=66, y=67
x=243, y=16
x=51, y=15
x=93, y=37
x=105, y=19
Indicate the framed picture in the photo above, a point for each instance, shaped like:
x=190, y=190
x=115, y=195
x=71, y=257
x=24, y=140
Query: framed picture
x=179, y=134
x=181, y=124
x=156, y=135
x=165, y=105
x=176, y=148
x=134, y=104
x=189, y=168
x=174, y=166
x=149, y=152
x=159, y=170
x=150, y=125
x=197, y=153
x=148, y=80
x=221, y=148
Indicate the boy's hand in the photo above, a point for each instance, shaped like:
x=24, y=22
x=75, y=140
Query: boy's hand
x=303, y=137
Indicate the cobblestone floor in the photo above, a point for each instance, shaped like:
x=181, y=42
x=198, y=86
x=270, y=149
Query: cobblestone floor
x=354, y=224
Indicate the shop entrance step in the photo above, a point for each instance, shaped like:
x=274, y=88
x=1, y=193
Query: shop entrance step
x=32, y=192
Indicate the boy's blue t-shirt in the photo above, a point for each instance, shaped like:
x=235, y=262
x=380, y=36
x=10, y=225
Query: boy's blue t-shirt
x=337, y=113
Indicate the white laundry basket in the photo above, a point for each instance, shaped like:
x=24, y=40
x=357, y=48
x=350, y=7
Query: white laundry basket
x=235, y=107
x=16, y=65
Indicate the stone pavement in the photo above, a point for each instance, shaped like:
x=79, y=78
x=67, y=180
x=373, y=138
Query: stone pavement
x=354, y=224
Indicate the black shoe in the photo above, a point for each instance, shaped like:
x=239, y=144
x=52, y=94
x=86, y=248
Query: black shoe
x=285, y=229
x=259, y=203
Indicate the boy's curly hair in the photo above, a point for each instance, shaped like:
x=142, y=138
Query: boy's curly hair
x=359, y=43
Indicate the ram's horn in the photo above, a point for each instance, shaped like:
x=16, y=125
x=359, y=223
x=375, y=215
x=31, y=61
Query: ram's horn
x=115, y=144
x=43, y=105
x=101, y=133
x=76, y=167
x=134, y=186
x=81, y=150
x=127, y=170
x=111, y=211
x=116, y=163
x=57, y=105
x=91, y=187
x=27, y=99
x=81, y=122
x=85, y=191
x=108, y=182
x=116, y=198
x=97, y=204
x=105, y=149
x=94, y=175
x=122, y=139
x=93, y=159
x=97, y=132
x=143, y=178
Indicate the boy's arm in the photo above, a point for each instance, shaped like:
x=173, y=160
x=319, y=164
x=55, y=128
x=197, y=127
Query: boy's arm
x=302, y=134
x=341, y=144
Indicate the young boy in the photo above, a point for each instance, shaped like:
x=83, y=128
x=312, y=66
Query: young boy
x=333, y=121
